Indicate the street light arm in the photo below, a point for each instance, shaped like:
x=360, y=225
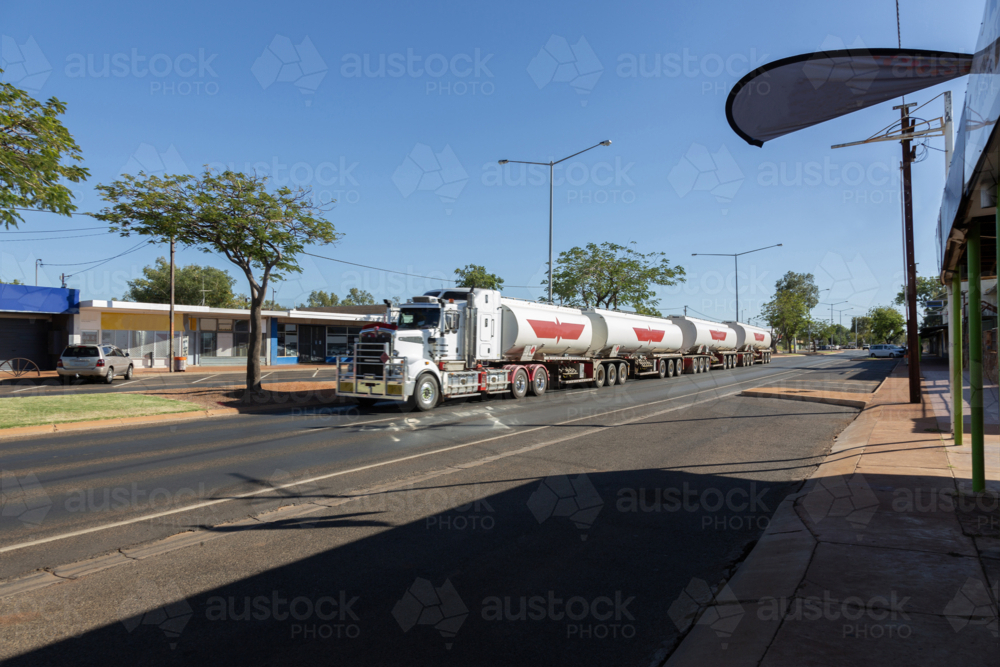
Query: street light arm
x=607, y=142
x=759, y=249
x=544, y=164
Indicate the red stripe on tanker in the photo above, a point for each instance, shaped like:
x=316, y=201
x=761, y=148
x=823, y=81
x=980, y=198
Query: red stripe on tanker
x=648, y=335
x=557, y=330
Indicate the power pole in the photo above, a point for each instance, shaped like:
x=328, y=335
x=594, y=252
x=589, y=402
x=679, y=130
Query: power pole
x=170, y=359
x=912, y=335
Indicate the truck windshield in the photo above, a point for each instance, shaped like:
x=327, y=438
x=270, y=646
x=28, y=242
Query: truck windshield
x=419, y=318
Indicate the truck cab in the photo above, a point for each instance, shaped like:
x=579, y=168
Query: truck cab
x=429, y=352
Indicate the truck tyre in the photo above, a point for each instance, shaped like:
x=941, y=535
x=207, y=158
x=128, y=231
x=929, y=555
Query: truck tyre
x=673, y=368
x=599, y=375
x=612, y=374
x=661, y=368
x=540, y=382
x=622, y=373
x=425, y=394
x=519, y=383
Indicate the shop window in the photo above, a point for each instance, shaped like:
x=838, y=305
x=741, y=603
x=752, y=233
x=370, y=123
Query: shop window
x=288, y=340
x=89, y=337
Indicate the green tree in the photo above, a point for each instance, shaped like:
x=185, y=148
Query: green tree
x=192, y=285
x=787, y=313
x=612, y=275
x=320, y=299
x=803, y=284
x=15, y=281
x=928, y=289
x=887, y=324
x=795, y=295
x=259, y=230
x=358, y=297
x=33, y=147
x=474, y=275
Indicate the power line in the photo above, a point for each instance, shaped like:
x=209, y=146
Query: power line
x=50, y=239
x=41, y=210
x=403, y=273
x=55, y=231
x=102, y=261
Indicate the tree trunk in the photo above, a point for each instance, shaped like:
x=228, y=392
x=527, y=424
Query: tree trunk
x=253, y=352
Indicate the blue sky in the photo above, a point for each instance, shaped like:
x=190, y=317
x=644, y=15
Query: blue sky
x=409, y=150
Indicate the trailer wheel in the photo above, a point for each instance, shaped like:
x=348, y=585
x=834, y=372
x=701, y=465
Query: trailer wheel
x=540, y=382
x=612, y=374
x=661, y=368
x=519, y=383
x=704, y=365
x=599, y=375
x=622, y=373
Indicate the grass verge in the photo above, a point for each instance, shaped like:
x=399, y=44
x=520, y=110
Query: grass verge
x=39, y=410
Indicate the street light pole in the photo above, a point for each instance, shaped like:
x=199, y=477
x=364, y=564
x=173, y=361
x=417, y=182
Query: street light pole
x=736, y=260
x=551, y=165
x=37, y=262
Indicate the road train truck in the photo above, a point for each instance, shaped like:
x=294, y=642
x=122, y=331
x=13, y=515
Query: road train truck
x=455, y=343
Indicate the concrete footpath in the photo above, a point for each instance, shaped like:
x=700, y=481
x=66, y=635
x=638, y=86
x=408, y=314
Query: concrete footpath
x=885, y=557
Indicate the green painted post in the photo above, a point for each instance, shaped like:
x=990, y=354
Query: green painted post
x=957, y=379
x=973, y=255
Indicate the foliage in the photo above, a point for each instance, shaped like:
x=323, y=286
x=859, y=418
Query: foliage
x=190, y=283
x=320, y=299
x=803, y=284
x=33, y=147
x=927, y=290
x=15, y=281
x=612, y=275
x=358, y=297
x=259, y=230
x=474, y=275
x=788, y=313
x=795, y=295
x=887, y=324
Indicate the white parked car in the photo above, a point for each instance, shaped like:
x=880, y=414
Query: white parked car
x=893, y=351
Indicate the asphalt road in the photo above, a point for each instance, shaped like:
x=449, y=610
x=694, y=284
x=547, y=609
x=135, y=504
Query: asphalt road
x=151, y=381
x=616, y=498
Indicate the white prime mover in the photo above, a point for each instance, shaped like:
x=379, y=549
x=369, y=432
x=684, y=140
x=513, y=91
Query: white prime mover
x=462, y=342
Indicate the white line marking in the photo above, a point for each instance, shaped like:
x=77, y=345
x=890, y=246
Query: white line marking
x=264, y=376
x=341, y=473
x=37, y=386
x=314, y=373
x=207, y=377
x=126, y=384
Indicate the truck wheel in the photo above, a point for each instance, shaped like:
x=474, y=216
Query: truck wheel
x=622, y=373
x=599, y=376
x=661, y=368
x=519, y=383
x=703, y=362
x=426, y=394
x=540, y=382
x=612, y=374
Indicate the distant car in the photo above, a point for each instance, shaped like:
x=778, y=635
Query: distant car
x=892, y=351
x=865, y=346
x=93, y=361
